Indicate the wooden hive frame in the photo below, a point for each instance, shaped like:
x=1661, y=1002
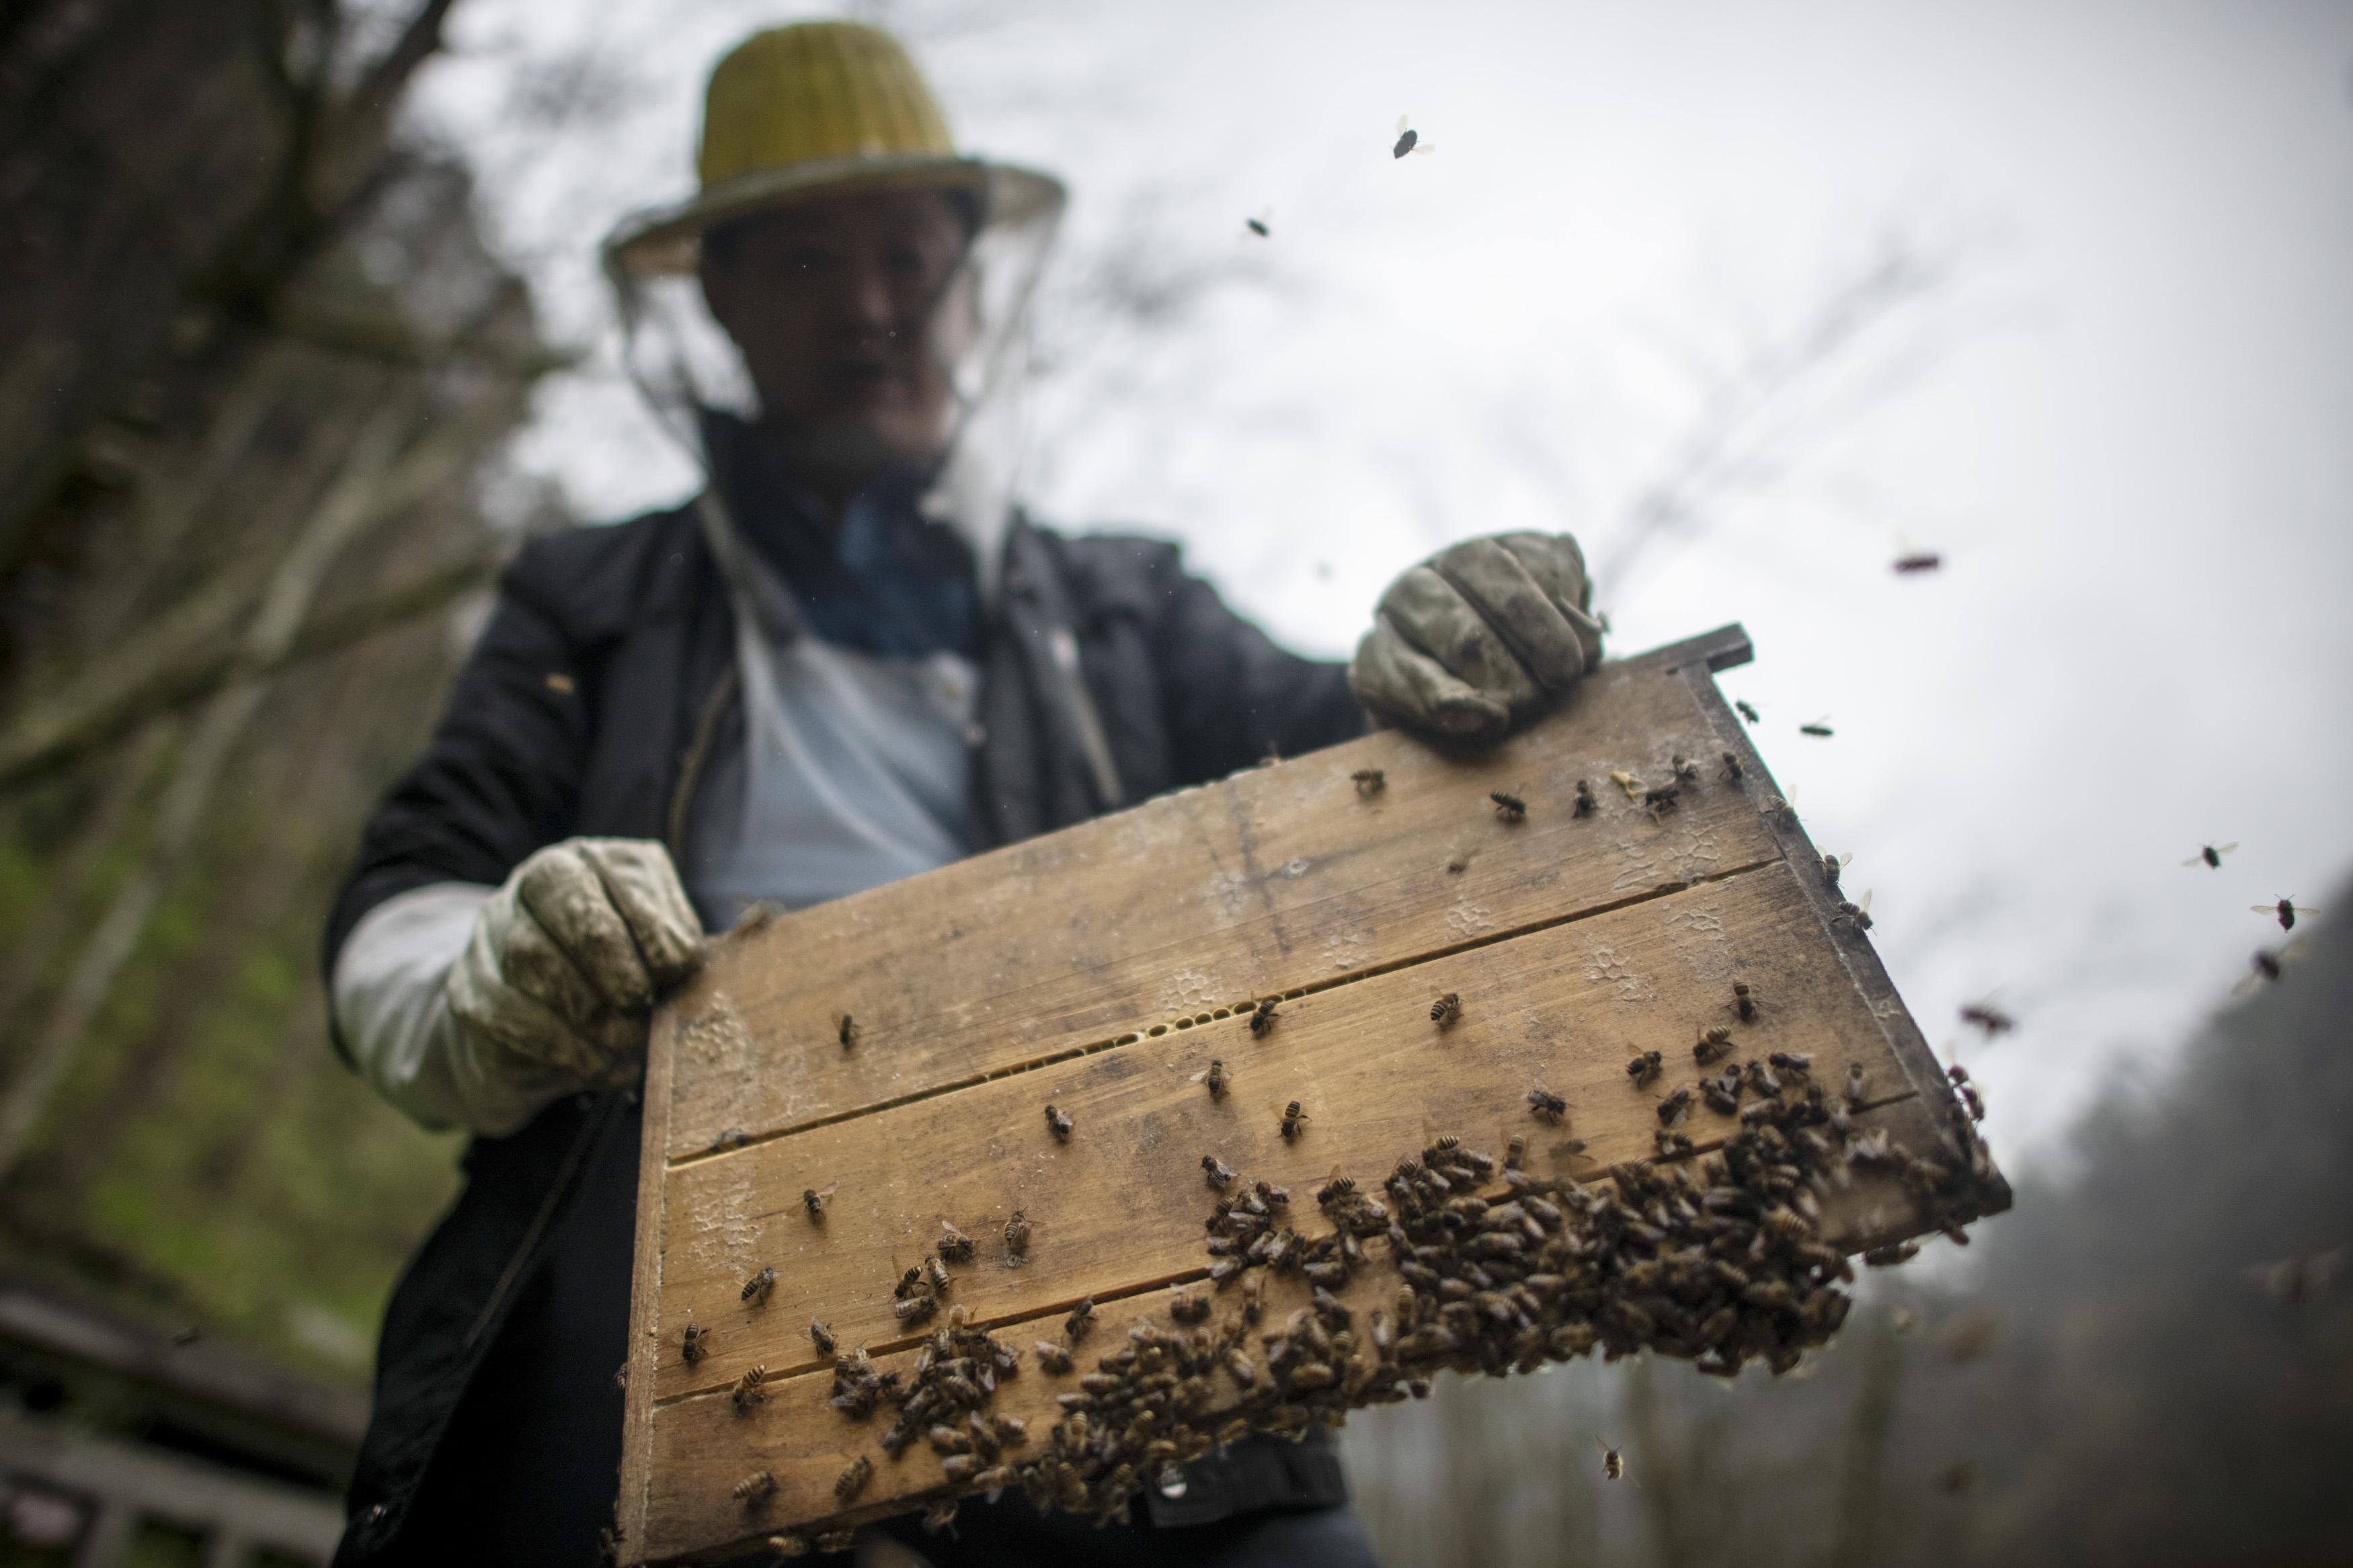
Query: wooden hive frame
x=1102, y=968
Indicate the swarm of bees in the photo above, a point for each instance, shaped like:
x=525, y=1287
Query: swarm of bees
x=756, y=1289
x=1294, y=1121
x=1446, y=1010
x=1261, y=1018
x=1057, y=1122
x=1369, y=781
x=1510, y=808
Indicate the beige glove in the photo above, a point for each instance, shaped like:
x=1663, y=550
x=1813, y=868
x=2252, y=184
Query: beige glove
x=560, y=976
x=1478, y=638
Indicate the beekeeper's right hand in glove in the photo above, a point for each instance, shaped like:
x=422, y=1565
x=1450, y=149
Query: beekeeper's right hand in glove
x=557, y=984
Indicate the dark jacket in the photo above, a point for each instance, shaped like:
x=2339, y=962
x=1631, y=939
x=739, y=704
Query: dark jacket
x=585, y=709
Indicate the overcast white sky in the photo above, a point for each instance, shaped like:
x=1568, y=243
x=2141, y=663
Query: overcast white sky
x=2123, y=411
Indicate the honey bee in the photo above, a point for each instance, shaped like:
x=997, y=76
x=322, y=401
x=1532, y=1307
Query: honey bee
x=756, y=1289
x=695, y=1345
x=1644, y=1069
x=916, y=1308
x=1184, y=1307
x=1671, y=1144
x=1733, y=771
x=1510, y=808
x=1922, y=560
x=1859, y=913
x=1988, y=1017
x=1586, y=804
x=954, y=1244
x=1256, y=226
x=1446, y=1009
x=1686, y=769
x=1016, y=1233
x=1546, y=1105
x=1057, y=1122
x=1855, y=1094
x=1082, y=1319
x=2268, y=965
x=788, y=1545
x=1820, y=728
x=1262, y=1017
x=755, y=1487
x=1219, y=1174
x=2284, y=911
x=1053, y=1358
x=1408, y=140
x=820, y=1336
x=1798, y=1064
x=1712, y=1042
x=909, y=1283
x=1833, y=865
x=1662, y=798
x=747, y=1391
x=1613, y=1463
x=853, y=1477
x=1214, y=1076
x=935, y=1274
x=1743, y=998
x=1746, y=711
x=1672, y=1108
x=1369, y=781
x=2210, y=855
x=1515, y=1152
x=813, y=1200
x=846, y=1032
x=1293, y=1119
x=836, y=1541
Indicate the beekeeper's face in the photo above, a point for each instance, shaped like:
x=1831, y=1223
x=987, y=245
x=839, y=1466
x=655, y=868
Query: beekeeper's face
x=850, y=313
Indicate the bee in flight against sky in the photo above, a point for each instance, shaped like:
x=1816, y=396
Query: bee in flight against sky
x=2267, y=966
x=1820, y=728
x=1510, y=808
x=1262, y=1017
x=1988, y=1017
x=1920, y=561
x=2284, y=911
x=1741, y=705
x=1215, y=1076
x=1408, y=140
x=1259, y=225
x=813, y=1200
x=2210, y=855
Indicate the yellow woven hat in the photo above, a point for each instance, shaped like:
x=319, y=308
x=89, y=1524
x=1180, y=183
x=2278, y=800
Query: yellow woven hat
x=812, y=108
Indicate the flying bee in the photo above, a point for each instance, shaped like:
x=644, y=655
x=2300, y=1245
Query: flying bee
x=1082, y=1319
x=820, y=1336
x=756, y=1289
x=954, y=1244
x=1733, y=771
x=1586, y=804
x=1293, y=1119
x=1644, y=1069
x=1712, y=1042
x=1016, y=1233
x=695, y=1345
x=1859, y=913
x=747, y=1391
x=1855, y=1093
x=1833, y=865
x=1743, y=997
x=1920, y=561
x=2210, y=855
x=1686, y=769
x=847, y=1031
x=1510, y=808
x=1059, y=1123
x=1613, y=1463
x=1626, y=782
x=1742, y=705
x=1263, y=1016
x=1546, y=1105
x=935, y=1275
x=1408, y=140
x=2284, y=911
x=813, y=1201
x=1258, y=226
x=755, y=1487
x=1369, y=781
x=1219, y=1174
x=853, y=1477
x=1446, y=1009
x=1820, y=728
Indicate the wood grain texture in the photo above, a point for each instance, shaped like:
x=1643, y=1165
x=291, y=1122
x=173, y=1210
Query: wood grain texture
x=1272, y=881
x=1566, y=1007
